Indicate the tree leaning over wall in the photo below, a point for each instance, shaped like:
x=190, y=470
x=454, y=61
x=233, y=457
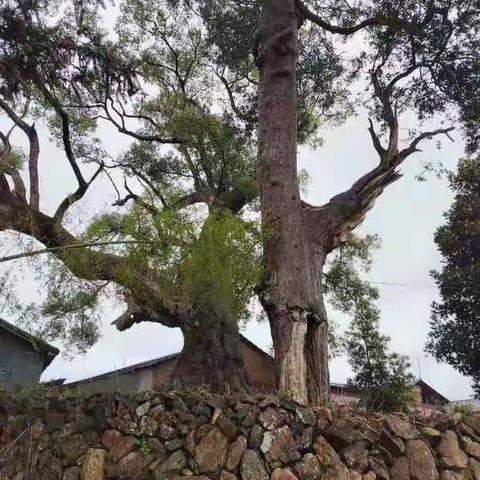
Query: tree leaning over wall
x=168, y=267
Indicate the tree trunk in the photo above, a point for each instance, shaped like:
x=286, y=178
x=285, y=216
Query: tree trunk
x=291, y=294
x=211, y=355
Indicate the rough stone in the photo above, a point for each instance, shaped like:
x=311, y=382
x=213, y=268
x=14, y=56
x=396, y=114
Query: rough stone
x=174, y=444
x=72, y=448
x=393, y=444
x=174, y=464
x=399, y=427
x=306, y=416
x=226, y=475
x=252, y=466
x=336, y=473
x=326, y=453
x=94, y=465
x=449, y=453
x=123, y=446
x=211, y=451
x=308, y=468
x=271, y=418
x=229, y=429
x=356, y=456
x=71, y=473
x=451, y=475
x=421, y=463
x=472, y=449
x=341, y=433
x=109, y=438
x=399, y=469
x=235, y=453
x=142, y=409
x=132, y=465
x=474, y=468
x=430, y=433
x=166, y=432
x=256, y=437
x=379, y=468
x=283, y=474
x=279, y=447
x=148, y=426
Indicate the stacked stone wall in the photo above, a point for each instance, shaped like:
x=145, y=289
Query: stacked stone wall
x=199, y=436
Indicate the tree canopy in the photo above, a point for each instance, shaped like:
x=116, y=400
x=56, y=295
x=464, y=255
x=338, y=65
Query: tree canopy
x=454, y=335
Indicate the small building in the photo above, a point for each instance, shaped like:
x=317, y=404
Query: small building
x=155, y=373
x=23, y=357
x=427, y=399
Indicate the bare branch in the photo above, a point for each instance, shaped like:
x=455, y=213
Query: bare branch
x=412, y=148
x=237, y=111
x=34, y=152
x=68, y=201
x=314, y=18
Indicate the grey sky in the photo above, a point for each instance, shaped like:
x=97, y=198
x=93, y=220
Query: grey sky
x=405, y=217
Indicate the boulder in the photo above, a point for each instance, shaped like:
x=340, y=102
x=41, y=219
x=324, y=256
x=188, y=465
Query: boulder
x=252, y=466
x=356, y=456
x=341, y=433
x=392, y=444
x=174, y=464
x=283, y=474
x=306, y=416
x=399, y=469
x=379, y=468
x=72, y=473
x=256, y=437
x=272, y=418
x=279, y=447
x=325, y=452
x=449, y=452
x=132, y=465
x=472, y=449
x=308, y=468
x=235, y=453
x=123, y=446
x=211, y=450
x=93, y=467
x=400, y=427
x=473, y=421
x=421, y=464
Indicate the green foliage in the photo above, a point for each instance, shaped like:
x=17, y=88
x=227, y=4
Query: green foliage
x=381, y=377
x=454, y=336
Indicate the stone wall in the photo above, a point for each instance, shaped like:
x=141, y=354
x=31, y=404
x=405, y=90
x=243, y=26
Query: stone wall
x=198, y=436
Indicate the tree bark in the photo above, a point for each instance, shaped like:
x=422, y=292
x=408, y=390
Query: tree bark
x=211, y=354
x=291, y=293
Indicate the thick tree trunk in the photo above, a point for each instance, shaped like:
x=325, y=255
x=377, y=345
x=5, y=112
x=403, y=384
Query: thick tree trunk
x=211, y=355
x=291, y=292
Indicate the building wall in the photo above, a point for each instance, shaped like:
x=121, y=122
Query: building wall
x=128, y=382
x=259, y=367
x=20, y=364
x=162, y=373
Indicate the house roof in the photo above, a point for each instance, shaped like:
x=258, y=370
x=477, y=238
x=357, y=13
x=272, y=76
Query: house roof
x=153, y=363
x=36, y=343
x=426, y=391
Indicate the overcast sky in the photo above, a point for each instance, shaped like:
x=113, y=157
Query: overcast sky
x=405, y=218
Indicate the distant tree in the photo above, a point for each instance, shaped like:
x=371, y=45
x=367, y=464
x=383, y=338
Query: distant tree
x=454, y=336
x=382, y=378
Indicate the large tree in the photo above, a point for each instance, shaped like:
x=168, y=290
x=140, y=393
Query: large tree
x=154, y=85
x=454, y=336
x=418, y=58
